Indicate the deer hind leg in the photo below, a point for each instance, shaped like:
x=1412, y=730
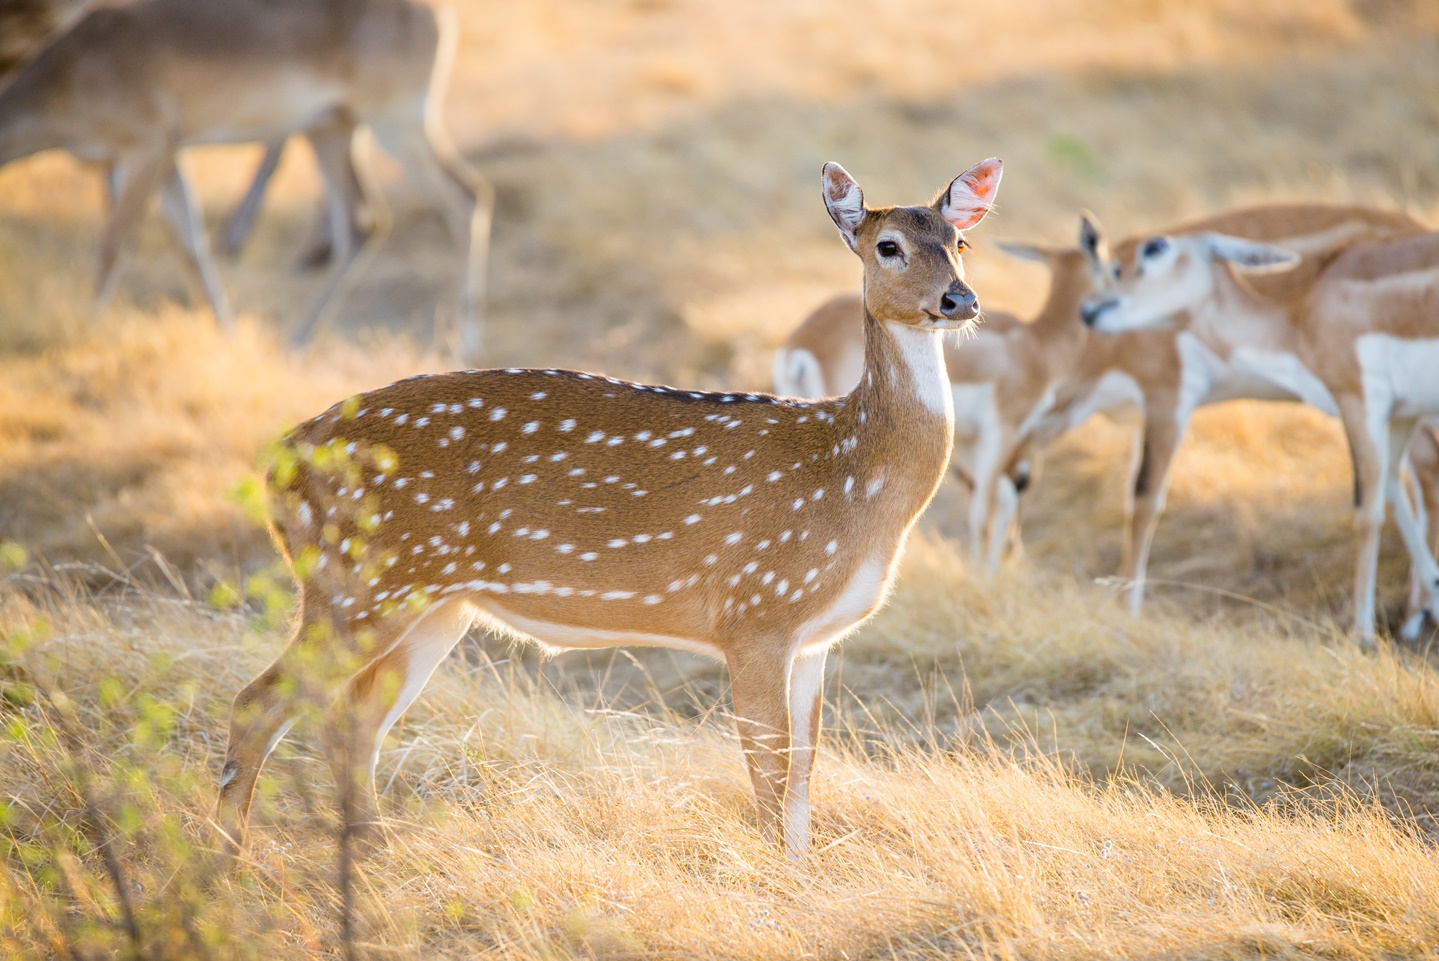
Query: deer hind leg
x=1423, y=456
x=376, y=697
x=350, y=224
x=1411, y=529
x=759, y=687
x=177, y=201
x=415, y=137
x=806, y=704
x=1160, y=435
x=140, y=175
x=322, y=654
x=986, y=467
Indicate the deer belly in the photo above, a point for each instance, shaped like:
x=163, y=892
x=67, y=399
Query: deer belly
x=1402, y=372
x=554, y=637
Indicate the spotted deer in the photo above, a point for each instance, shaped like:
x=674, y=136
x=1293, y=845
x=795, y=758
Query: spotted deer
x=130, y=85
x=583, y=511
x=1360, y=340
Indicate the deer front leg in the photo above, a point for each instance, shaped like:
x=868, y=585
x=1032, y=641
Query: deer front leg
x=806, y=704
x=1423, y=568
x=759, y=687
x=1163, y=429
x=1368, y=437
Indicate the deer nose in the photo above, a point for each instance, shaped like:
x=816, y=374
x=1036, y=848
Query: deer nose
x=1090, y=310
x=959, y=302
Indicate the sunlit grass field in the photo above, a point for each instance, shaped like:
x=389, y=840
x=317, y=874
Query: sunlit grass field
x=1010, y=768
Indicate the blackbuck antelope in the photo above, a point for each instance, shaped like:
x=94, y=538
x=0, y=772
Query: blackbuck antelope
x=129, y=85
x=1002, y=380
x=1361, y=340
x=582, y=511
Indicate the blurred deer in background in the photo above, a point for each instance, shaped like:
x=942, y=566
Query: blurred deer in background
x=129, y=86
x=1055, y=374
x=583, y=511
x=1356, y=334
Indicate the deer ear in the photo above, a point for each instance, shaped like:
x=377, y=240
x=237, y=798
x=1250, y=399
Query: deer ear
x=970, y=195
x=844, y=200
x=1024, y=251
x=1251, y=257
x=1091, y=237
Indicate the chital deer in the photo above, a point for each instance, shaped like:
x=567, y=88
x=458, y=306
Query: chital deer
x=583, y=511
x=130, y=85
x=1362, y=341
x=1002, y=379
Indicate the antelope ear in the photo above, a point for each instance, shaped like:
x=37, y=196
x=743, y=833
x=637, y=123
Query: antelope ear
x=1024, y=251
x=1251, y=257
x=970, y=195
x=844, y=201
x=1091, y=237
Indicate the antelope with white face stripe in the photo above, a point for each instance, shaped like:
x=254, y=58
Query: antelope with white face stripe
x=584, y=511
x=1366, y=332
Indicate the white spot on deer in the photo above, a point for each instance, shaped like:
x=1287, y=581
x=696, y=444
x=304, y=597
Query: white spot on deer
x=496, y=485
x=618, y=542
x=589, y=556
x=498, y=414
x=531, y=427
x=768, y=576
x=653, y=598
x=464, y=528
x=558, y=456
x=474, y=467
x=831, y=547
x=848, y=486
x=539, y=535
x=692, y=519
x=531, y=458
x=617, y=595
x=564, y=548
x=874, y=486
x=449, y=568
x=785, y=536
x=475, y=402
x=762, y=545
x=798, y=503
x=710, y=559
x=577, y=472
x=402, y=418
x=422, y=498
x=503, y=569
x=494, y=528
x=641, y=538
x=733, y=581
x=595, y=437
x=538, y=395
x=773, y=476
x=730, y=469
x=734, y=538
x=527, y=478
x=781, y=588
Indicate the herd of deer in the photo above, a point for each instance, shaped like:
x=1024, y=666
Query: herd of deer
x=583, y=511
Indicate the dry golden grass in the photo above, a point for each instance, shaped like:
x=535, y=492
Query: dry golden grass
x=1011, y=768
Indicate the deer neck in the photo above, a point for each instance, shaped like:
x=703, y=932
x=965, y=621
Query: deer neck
x=1238, y=317
x=900, y=417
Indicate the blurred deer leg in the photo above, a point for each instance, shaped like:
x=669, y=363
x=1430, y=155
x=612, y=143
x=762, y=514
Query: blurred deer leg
x=421, y=146
x=1161, y=433
x=1368, y=443
x=177, y=201
x=346, y=198
x=241, y=221
x=142, y=173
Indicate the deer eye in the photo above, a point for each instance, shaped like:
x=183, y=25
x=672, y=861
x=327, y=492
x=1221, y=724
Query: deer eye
x=1154, y=247
x=961, y=245
x=887, y=248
